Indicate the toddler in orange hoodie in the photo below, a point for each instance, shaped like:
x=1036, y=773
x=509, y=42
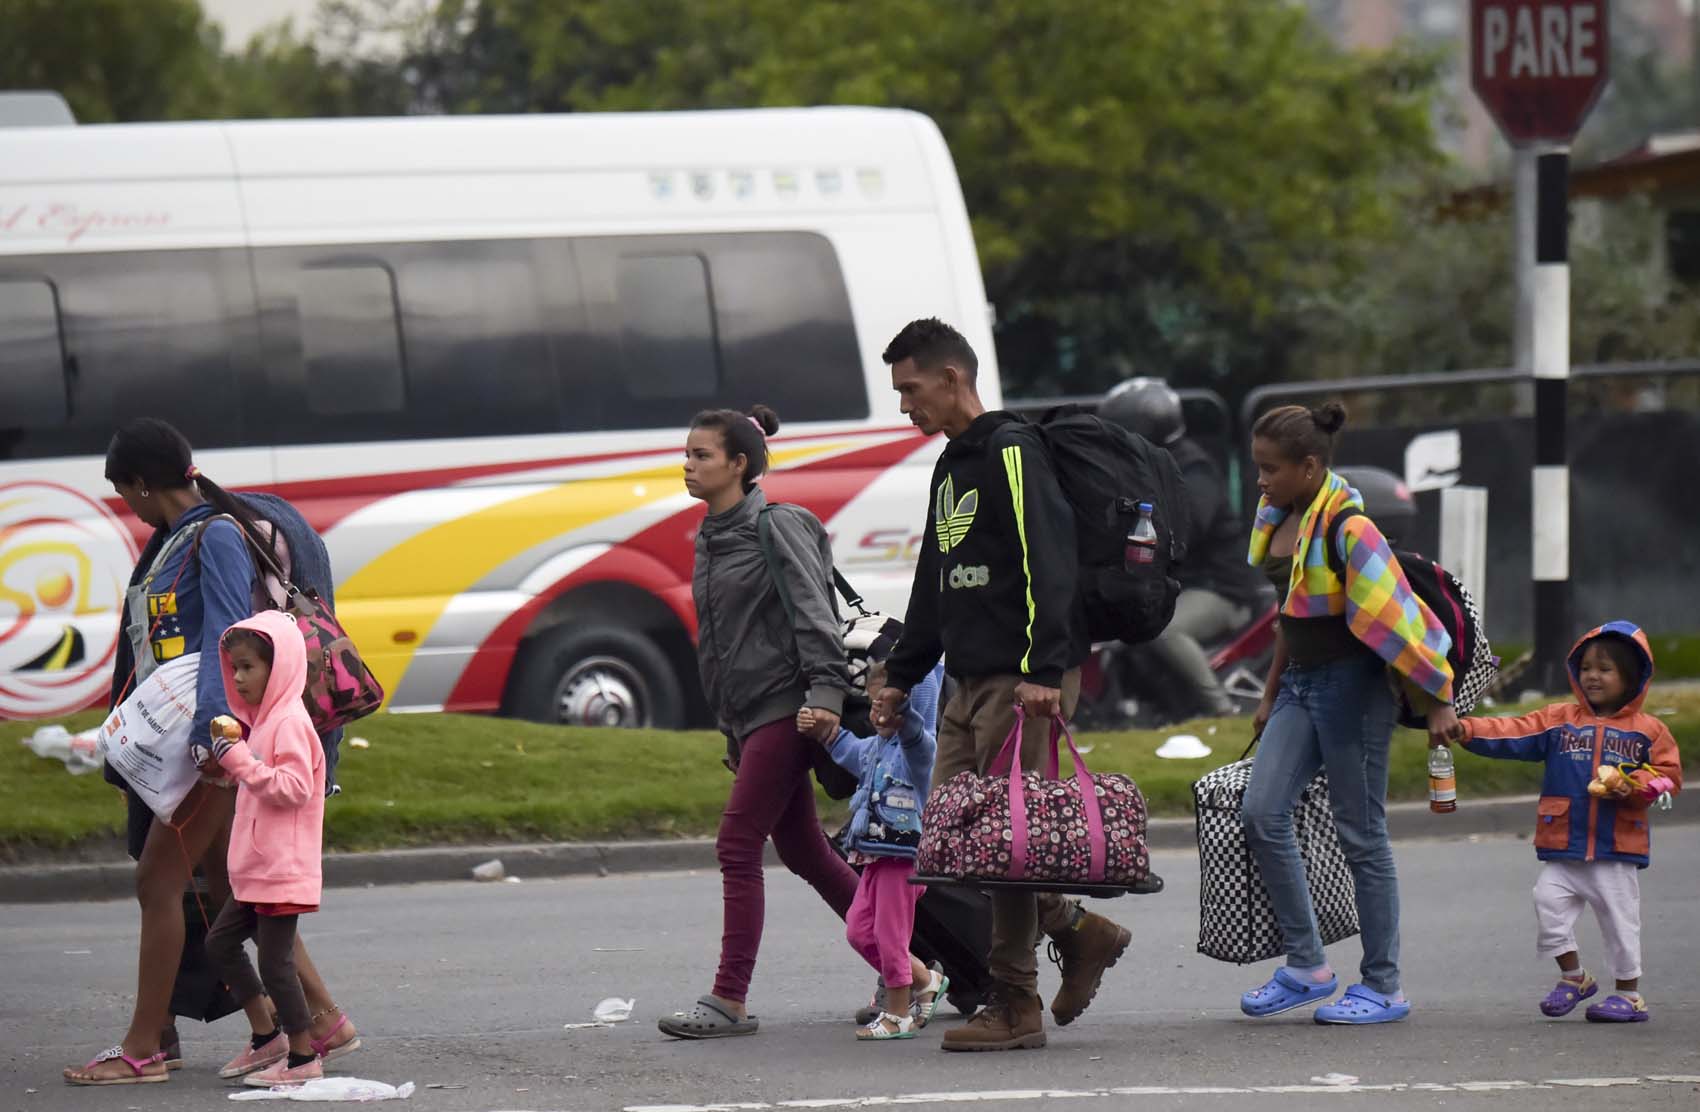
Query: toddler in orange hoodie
x=1606, y=760
x=275, y=841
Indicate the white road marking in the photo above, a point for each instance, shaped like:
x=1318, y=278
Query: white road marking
x=1012, y=1095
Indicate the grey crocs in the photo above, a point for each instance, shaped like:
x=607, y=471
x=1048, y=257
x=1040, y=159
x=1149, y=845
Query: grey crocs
x=708, y=1020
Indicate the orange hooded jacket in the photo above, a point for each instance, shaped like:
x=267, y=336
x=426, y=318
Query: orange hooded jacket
x=1574, y=741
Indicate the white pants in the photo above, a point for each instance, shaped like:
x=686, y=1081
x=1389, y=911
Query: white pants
x=1612, y=889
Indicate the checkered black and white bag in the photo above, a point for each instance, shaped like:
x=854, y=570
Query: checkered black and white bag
x=1236, y=921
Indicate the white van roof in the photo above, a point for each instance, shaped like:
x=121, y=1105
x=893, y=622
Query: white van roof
x=450, y=175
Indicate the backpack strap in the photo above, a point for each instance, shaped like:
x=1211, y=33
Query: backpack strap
x=1331, y=539
x=764, y=531
x=263, y=560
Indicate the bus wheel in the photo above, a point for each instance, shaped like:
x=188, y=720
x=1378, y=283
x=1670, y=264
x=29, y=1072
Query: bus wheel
x=598, y=676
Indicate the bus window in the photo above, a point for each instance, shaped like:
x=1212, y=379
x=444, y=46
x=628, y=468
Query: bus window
x=667, y=328
x=32, y=362
x=350, y=345
x=142, y=332
x=786, y=334
x=725, y=319
x=478, y=360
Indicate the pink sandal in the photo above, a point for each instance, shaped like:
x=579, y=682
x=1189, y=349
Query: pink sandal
x=327, y=1052
x=138, y=1067
x=253, y=1059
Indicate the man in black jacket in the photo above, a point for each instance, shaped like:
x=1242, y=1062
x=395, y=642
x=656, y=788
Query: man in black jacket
x=996, y=594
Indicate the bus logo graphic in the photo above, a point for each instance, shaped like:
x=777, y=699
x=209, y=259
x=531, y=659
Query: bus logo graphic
x=64, y=562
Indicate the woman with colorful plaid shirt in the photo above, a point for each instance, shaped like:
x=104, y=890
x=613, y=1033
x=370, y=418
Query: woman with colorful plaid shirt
x=1329, y=704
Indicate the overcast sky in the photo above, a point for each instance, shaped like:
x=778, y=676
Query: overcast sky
x=241, y=18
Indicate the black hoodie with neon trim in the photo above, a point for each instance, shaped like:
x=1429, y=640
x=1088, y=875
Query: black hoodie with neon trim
x=996, y=585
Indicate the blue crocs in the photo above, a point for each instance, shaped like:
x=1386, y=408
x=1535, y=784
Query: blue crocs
x=1363, y=1005
x=1284, y=992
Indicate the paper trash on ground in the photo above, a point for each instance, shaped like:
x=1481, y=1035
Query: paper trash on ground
x=354, y=1089
x=1183, y=747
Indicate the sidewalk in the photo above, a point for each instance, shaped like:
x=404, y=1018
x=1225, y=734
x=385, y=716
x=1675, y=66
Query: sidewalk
x=116, y=880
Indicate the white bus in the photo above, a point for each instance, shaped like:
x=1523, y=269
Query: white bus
x=467, y=349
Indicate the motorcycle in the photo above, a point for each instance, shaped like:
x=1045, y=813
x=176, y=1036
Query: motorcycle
x=1129, y=687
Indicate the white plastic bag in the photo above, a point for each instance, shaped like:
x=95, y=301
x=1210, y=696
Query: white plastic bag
x=146, y=737
x=80, y=752
x=614, y=1010
x=332, y=1088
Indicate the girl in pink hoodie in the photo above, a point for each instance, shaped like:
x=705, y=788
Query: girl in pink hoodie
x=275, y=840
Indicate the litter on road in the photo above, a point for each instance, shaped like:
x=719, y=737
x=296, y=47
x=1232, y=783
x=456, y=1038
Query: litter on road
x=356, y=1089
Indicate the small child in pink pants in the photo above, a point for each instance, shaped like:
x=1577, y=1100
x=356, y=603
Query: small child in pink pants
x=895, y=768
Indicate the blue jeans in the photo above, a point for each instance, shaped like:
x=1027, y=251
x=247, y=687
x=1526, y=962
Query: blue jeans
x=1338, y=717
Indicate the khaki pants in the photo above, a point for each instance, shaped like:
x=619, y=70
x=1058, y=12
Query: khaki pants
x=972, y=728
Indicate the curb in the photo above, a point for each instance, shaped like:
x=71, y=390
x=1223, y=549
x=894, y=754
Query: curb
x=53, y=883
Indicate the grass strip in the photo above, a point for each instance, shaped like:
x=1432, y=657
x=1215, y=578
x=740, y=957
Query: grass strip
x=442, y=779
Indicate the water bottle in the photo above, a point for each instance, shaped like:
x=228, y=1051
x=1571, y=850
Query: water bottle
x=1141, y=539
x=1442, y=780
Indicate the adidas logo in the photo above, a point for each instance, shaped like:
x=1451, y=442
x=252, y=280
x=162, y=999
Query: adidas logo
x=954, y=518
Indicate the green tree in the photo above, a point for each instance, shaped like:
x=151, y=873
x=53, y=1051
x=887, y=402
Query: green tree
x=281, y=75
x=1443, y=297
x=1154, y=184
x=1167, y=186
x=112, y=59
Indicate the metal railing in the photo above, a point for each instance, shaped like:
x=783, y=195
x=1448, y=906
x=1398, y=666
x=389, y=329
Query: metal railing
x=1259, y=398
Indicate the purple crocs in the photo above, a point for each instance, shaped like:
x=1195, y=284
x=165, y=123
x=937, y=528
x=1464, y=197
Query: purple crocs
x=1564, y=997
x=1619, y=1009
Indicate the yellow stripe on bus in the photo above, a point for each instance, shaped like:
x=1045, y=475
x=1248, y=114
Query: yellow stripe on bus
x=409, y=586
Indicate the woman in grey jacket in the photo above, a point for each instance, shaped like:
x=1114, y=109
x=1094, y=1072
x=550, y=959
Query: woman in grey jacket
x=768, y=644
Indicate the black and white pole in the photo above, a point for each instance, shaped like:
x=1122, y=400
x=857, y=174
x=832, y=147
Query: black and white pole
x=1542, y=209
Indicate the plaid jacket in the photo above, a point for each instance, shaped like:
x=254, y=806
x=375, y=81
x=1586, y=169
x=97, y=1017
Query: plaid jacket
x=1375, y=599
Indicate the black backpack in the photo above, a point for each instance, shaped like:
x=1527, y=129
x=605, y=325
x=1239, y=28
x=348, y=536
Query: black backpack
x=1105, y=472
x=1473, y=664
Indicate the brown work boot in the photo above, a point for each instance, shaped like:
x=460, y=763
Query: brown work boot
x=1083, y=952
x=1013, y=1019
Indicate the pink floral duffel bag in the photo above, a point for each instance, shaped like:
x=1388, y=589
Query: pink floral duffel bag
x=1016, y=825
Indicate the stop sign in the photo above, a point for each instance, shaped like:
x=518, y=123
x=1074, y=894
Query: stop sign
x=1539, y=65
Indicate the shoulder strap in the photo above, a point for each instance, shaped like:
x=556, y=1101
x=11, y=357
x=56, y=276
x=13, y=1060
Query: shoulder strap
x=258, y=550
x=848, y=592
x=169, y=547
x=764, y=530
x=1331, y=539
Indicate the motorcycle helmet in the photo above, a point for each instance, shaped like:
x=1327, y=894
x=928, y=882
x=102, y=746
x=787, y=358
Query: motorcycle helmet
x=1147, y=406
x=1387, y=500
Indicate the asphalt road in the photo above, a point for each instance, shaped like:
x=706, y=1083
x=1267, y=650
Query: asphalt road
x=472, y=985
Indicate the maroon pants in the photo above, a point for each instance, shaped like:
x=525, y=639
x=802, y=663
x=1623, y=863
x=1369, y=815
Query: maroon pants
x=772, y=796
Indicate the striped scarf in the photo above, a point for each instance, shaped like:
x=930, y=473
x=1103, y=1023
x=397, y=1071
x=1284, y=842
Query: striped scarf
x=1376, y=600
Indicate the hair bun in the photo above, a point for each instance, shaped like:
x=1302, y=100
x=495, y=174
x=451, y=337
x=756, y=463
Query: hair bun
x=766, y=418
x=1330, y=417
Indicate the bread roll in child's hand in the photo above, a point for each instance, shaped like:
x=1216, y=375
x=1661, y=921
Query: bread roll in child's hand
x=226, y=731
x=1610, y=781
